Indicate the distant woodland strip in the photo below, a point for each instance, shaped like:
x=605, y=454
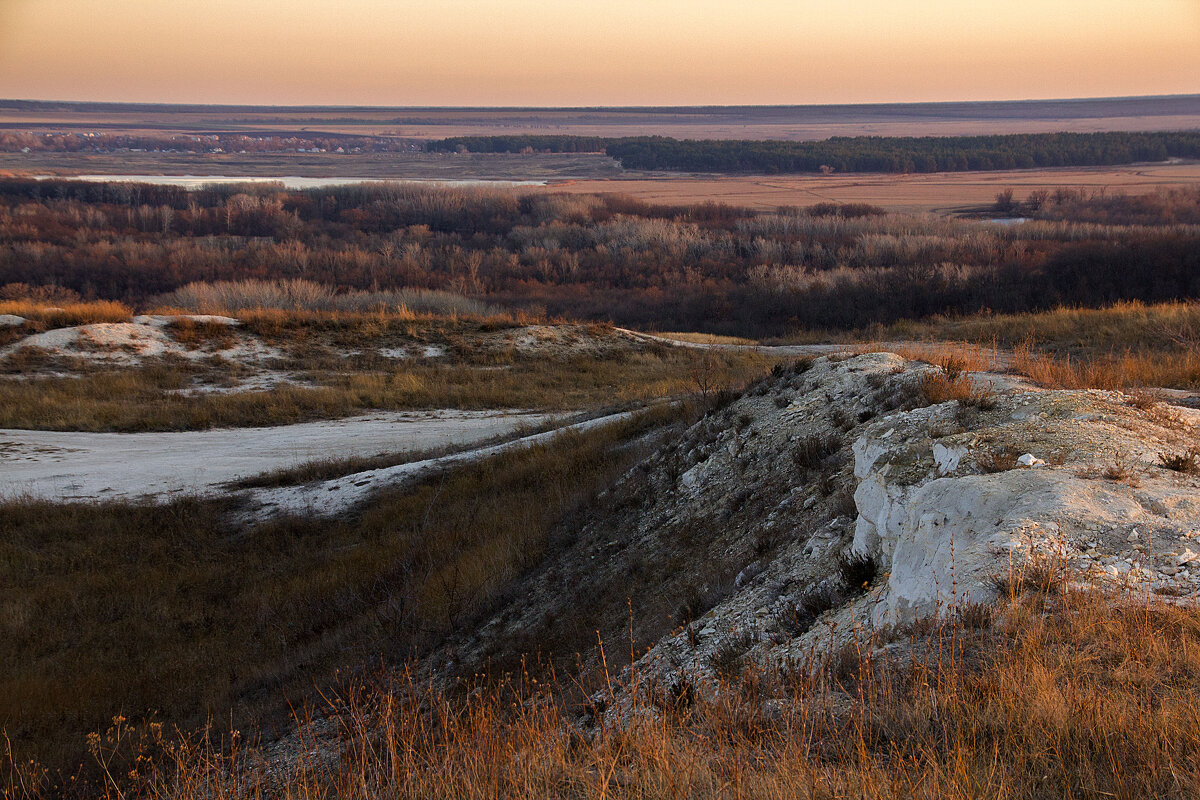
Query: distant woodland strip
x=854, y=154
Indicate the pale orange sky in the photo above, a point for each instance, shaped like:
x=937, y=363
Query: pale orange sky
x=595, y=52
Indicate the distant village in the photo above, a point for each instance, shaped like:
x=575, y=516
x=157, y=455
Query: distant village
x=215, y=143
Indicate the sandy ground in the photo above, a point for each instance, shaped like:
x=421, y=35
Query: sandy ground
x=935, y=192
x=76, y=466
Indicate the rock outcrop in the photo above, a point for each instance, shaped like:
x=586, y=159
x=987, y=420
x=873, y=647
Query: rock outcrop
x=751, y=531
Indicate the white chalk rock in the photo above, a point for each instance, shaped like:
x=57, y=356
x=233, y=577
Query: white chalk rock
x=947, y=457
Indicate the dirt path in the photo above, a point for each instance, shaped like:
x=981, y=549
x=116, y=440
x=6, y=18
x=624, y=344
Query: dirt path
x=99, y=466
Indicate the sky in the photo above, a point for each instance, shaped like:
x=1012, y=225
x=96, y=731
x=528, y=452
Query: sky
x=595, y=52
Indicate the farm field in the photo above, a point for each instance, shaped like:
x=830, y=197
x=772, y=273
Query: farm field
x=589, y=173
x=945, y=192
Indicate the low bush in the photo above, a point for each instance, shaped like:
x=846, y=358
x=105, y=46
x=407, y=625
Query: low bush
x=998, y=459
x=1187, y=462
x=811, y=451
x=857, y=571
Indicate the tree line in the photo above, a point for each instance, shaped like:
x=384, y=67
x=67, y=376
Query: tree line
x=892, y=154
x=594, y=257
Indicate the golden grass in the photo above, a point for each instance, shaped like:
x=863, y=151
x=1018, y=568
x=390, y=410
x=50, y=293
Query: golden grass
x=965, y=356
x=940, y=388
x=1127, y=325
x=1126, y=345
x=1055, y=692
x=45, y=316
x=706, y=338
x=170, y=610
x=1171, y=369
x=195, y=334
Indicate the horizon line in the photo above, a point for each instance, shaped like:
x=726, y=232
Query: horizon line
x=651, y=107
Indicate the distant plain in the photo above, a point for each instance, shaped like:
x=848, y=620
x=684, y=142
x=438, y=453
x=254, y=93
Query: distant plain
x=691, y=122
x=589, y=173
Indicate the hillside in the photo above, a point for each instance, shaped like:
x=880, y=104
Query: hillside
x=794, y=563
x=734, y=529
x=869, y=510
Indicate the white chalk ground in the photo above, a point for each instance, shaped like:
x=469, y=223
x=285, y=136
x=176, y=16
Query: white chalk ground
x=337, y=495
x=79, y=466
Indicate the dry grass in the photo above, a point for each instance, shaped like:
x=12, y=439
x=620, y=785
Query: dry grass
x=1129, y=344
x=1176, y=369
x=964, y=356
x=1057, y=692
x=196, y=334
x=152, y=397
x=706, y=338
x=1187, y=462
x=940, y=388
x=148, y=399
x=45, y=316
x=909, y=193
x=142, y=609
x=953, y=382
x=336, y=467
x=1125, y=325
x=225, y=297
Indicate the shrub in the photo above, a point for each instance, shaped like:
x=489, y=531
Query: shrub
x=1187, y=462
x=857, y=571
x=998, y=459
x=811, y=451
x=941, y=387
x=726, y=661
x=1119, y=470
x=813, y=602
x=842, y=418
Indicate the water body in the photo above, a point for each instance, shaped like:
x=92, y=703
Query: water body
x=288, y=181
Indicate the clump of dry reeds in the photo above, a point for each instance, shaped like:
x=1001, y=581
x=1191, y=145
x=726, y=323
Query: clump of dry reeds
x=303, y=295
x=45, y=315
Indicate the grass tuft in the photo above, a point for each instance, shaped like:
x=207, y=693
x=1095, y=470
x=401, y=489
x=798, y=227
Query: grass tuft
x=1187, y=462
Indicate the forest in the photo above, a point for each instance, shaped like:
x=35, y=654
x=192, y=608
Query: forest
x=839, y=154
x=705, y=267
x=854, y=154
